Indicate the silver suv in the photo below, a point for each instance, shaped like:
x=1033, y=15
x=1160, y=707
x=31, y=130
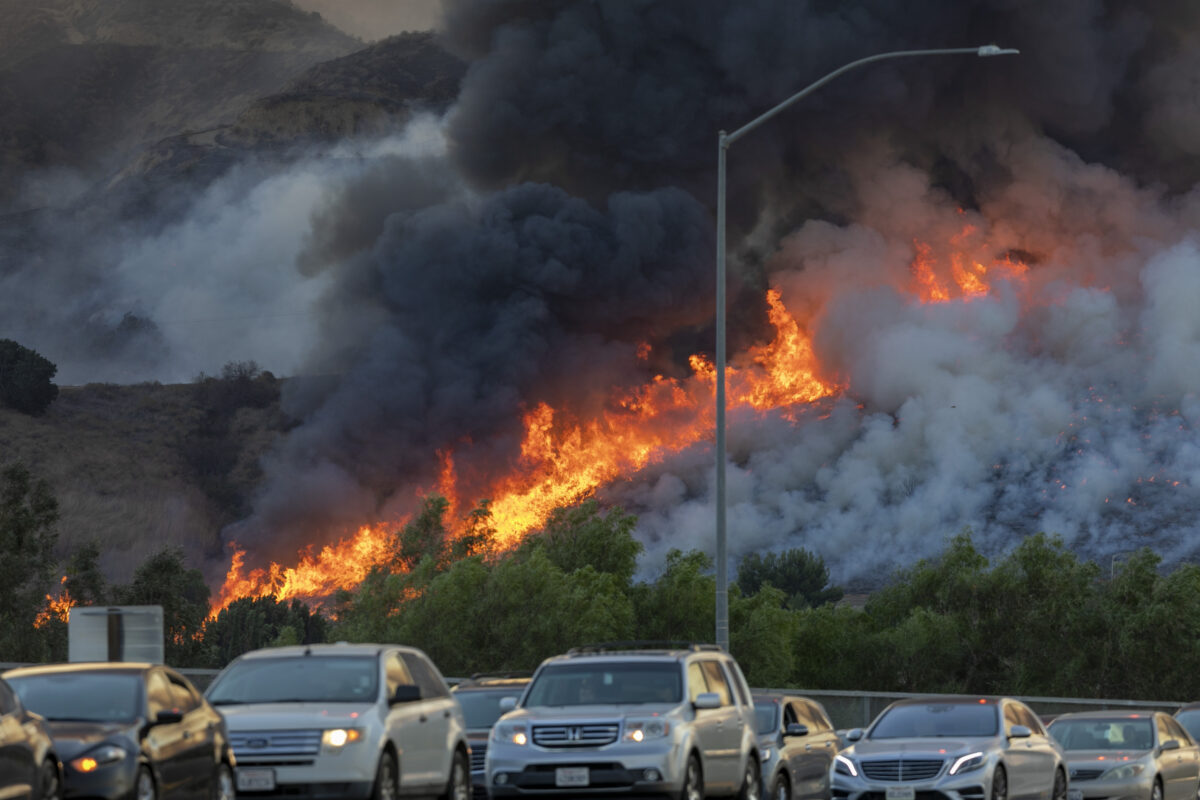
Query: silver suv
x=629, y=720
x=342, y=720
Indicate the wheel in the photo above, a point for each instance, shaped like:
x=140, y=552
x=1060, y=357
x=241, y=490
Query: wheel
x=1000, y=784
x=144, y=787
x=780, y=789
x=49, y=782
x=458, y=787
x=222, y=784
x=1157, y=792
x=751, y=781
x=1060, y=786
x=693, y=780
x=386, y=779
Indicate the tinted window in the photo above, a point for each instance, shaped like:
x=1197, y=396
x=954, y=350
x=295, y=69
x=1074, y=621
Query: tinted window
x=92, y=697
x=716, y=681
x=936, y=719
x=7, y=701
x=583, y=684
x=481, y=708
x=1103, y=734
x=302, y=679
x=427, y=678
x=1190, y=720
x=766, y=715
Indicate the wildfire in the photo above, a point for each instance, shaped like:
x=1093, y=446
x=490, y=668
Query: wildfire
x=56, y=607
x=564, y=459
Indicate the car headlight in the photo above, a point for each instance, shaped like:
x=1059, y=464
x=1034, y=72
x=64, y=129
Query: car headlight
x=510, y=733
x=845, y=766
x=100, y=757
x=967, y=763
x=1123, y=772
x=646, y=730
x=764, y=755
x=334, y=739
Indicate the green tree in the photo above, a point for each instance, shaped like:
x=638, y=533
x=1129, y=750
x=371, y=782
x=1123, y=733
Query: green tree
x=254, y=622
x=426, y=535
x=580, y=536
x=28, y=513
x=164, y=580
x=801, y=576
x=679, y=605
x=84, y=581
x=26, y=379
x=762, y=634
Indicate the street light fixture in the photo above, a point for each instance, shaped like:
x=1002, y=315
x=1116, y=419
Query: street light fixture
x=724, y=140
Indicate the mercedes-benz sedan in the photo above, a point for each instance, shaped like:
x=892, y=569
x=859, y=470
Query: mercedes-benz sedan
x=951, y=748
x=1144, y=755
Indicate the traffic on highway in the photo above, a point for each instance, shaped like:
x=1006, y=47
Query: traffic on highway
x=625, y=719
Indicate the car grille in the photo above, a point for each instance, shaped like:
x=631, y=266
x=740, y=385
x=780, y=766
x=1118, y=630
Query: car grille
x=574, y=735
x=478, y=755
x=1086, y=774
x=902, y=769
x=275, y=747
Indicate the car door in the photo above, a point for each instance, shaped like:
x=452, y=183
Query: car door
x=726, y=736
x=196, y=757
x=1176, y=773
x=165, y=745
x=819, y=748
x=437, y=711
x=17, y=767
x=1043, y=755
x=1019, y=758
x=1188, y=755
x=405, y=728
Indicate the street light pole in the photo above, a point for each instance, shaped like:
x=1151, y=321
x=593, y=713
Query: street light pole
x=724, y=140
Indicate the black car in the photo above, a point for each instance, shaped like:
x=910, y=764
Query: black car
x=28, y=764
x=129, y=731
x=480, y=696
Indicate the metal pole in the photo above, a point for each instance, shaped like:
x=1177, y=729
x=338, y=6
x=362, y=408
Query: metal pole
x=722, y=548
x=724, y=140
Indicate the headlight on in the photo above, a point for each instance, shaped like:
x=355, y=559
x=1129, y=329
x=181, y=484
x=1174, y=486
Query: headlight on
x=510, y=733
x=646, y=730
x=844, y=766
x=967, y=763
x=100, y=757
x=1123, y=772
x=334, y=739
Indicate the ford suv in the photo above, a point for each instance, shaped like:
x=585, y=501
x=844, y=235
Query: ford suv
x=629, y=720
x=342, y=721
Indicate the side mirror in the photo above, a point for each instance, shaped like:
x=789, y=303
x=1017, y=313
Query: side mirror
x=167, y=718
x=507, y=704
x=1170, y=744
x=1019, y=732
x=796, y=729
x=854, y=734
x=406, y=693
x=707, y=700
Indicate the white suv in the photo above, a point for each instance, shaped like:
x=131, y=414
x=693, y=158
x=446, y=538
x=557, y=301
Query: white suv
x=628, y=720
x=342, y=720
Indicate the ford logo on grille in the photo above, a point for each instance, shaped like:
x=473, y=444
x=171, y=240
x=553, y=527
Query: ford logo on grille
x=257, y=743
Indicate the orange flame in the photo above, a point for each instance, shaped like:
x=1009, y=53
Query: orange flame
x=56, y=607
x=968, y=277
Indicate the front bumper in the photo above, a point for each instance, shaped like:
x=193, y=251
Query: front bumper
x=973, y=785
x=348, y=774
x=1133, y=789
x=617, y=770
x=113, y=781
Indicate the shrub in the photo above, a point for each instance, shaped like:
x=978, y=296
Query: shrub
x=25, y=379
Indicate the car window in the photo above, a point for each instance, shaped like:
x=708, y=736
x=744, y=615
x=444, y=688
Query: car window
x=1028, y=718
x=1189, y=718
x=812, y=716
x=8, y=703
x=766, y=716
x=739, y=682
x=588, y=682
x=716, y=681
x=1178, y=732
x=183, y=699
x=298, y=679
x=158, y=694
x=1164, y=733
x=789, y=716
x=697, y=684
x=1091, y=733
x=430, y=682
x=82, y=696
x=1011, y=717
x=917, y=720
x=397, y=673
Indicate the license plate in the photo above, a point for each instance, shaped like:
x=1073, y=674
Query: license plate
x=571, y=776
x=1075, y=794
x=255, y=779
x=901, y=793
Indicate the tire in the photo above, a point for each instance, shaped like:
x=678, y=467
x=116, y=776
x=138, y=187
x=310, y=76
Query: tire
x=458, y=786
x=1059, y=792
x=780, y=790
x=387, y=778
x=751, y=781
x=693, y=780
x=999, y=784
x=1157, y=792
x=143, y=787
x=50, y=786
x=222, y=783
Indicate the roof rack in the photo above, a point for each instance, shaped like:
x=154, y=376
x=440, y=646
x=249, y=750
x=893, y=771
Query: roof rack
x=642, y=644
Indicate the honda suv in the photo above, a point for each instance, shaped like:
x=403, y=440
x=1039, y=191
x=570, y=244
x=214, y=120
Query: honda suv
x=342, y=720
x=674, y=720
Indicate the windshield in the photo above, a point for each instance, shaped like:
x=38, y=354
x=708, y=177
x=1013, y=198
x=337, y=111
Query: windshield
x=482, y=708
x=937, y=720
x=300, y=679
x=766, y=715
x=90, y=697
x=1103, y=734
x=606, y=684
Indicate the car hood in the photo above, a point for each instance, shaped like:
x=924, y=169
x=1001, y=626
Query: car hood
x=552, y=714
x=294, y=716
x=923, y=748
x=73, y=738
x=1104, y=758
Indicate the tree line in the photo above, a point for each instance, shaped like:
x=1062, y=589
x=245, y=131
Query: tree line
x=1037, y=620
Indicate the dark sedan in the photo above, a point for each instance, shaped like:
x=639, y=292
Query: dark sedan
x=28, y=764
x=127, y=731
